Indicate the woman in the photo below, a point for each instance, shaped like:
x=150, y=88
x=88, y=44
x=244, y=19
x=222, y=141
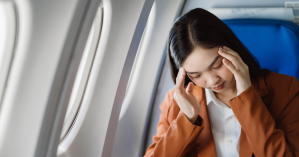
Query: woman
x=223, y=103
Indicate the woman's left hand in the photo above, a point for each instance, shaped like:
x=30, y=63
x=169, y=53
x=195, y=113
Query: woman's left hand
x=235, y=64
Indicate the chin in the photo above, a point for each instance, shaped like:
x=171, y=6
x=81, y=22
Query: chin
x=227, y=85
x=220, y=91
x=224, y=88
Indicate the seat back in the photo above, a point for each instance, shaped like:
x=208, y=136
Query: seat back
x=275, y=43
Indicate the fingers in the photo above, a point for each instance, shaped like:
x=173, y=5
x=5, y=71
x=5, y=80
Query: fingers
x=179, y=87
x=230, y=66
x=175, y=97
x=232, y=52
x=189, y=88
x=235, y=60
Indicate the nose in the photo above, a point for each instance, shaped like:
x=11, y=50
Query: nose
x=212, y=79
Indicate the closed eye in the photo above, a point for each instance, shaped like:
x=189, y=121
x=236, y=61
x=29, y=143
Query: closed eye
x=197, y=77
x=219, y=66
x=213, y=68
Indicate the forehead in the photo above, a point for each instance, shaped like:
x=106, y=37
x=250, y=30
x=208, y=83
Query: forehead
x=200, y=59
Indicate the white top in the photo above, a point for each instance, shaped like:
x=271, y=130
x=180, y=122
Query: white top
x=225, y=126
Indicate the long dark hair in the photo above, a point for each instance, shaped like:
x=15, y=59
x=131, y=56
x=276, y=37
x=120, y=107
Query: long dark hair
x=199, y=27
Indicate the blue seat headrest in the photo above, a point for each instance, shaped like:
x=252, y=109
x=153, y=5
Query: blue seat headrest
x=275, y=43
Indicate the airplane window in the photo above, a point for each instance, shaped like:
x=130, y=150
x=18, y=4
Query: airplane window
x=82, y=74
x=2, y=29
x=7, y=40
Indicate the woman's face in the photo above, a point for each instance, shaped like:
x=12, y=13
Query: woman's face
x=206, y=69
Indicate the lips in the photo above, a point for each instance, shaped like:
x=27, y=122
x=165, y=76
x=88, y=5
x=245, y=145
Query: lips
x=219, y=87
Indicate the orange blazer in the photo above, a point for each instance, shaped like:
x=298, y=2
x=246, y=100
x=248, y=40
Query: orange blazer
x=268, y=112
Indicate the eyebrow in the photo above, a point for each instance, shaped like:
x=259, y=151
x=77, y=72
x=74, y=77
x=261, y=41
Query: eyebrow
x=216, y=58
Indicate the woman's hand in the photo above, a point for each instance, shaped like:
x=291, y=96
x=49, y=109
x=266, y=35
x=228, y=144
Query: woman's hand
x=185, y=98
x=235, y=64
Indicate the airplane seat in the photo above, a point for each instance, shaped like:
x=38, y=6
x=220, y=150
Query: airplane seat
x=275, y=43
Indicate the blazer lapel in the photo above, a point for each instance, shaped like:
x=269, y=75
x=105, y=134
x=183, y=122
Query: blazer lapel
x=205, y=145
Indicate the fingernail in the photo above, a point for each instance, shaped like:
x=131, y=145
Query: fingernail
x=179, y=74
x=180, y=71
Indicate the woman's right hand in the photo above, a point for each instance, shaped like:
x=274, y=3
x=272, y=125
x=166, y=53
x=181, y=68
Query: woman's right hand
x=185, y=98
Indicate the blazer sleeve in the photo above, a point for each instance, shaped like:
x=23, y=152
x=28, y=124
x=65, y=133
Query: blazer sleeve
x=175, y=138
x=263, y=136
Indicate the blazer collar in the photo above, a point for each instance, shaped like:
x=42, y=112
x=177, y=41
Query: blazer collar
x=205, y=142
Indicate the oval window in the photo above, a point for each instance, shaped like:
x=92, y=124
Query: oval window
x=82, y=74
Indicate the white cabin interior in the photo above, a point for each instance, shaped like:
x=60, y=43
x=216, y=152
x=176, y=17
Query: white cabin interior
x=86, y=77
